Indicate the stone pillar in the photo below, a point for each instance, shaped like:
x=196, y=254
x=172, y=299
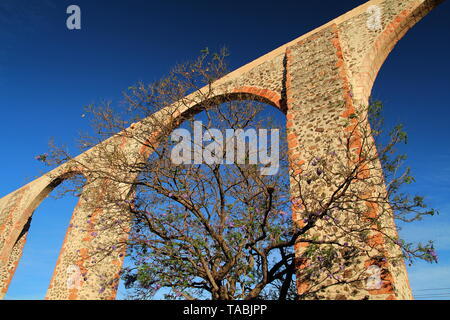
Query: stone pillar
x=16, y=210
x=8, y=268
x=321, y=117
x=90, y=261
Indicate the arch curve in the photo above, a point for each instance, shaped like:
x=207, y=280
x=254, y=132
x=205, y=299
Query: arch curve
x=315, y=79
x=385, y=42
x=22, y=205
x=240, y=93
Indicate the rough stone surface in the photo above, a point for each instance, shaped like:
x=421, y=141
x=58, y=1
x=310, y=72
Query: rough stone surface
x=318, y=80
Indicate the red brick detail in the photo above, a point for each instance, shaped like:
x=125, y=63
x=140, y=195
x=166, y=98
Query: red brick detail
x=376, y=240
x=289, y=124
x=295, y=164
x=350, y=109
x=274, y=98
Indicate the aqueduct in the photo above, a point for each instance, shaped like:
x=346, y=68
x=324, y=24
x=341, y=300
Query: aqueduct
x=317, y=80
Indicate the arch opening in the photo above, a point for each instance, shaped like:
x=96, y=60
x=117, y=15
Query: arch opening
x=385, y=42
x=196, y=191
x=38, y=245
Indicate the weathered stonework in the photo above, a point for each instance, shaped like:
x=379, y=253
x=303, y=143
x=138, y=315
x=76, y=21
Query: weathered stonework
x=318, y=80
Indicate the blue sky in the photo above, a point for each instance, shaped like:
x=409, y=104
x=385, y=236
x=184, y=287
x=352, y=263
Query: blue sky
x=48, y=73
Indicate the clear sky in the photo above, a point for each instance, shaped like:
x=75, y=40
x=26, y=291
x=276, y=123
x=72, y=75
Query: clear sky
x=48, y=73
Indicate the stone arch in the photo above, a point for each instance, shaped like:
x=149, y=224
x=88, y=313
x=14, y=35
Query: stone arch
x=25, y=202
x=238, y=93
x=264, y=95
x=371, y=63
x=385, y=42
x=316, y=80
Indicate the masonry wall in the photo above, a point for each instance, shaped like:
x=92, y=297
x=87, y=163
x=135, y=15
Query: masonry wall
x=319, y=80
x=320, y=102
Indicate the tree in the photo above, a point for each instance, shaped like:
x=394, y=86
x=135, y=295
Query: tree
x=224, y=230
